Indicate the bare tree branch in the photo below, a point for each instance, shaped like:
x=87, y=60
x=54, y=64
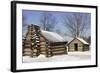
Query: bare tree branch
x=47, y=21
x=76, y=23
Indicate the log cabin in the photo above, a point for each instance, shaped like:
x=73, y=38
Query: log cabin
x=78, y=44
x=36, y=43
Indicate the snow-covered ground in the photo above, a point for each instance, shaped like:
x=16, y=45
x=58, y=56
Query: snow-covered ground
x=71, y=56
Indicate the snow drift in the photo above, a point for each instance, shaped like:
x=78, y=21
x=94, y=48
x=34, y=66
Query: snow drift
x=72, y=56
x=51, y=36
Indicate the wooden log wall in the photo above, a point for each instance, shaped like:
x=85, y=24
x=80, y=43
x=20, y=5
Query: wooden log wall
x=58, y=48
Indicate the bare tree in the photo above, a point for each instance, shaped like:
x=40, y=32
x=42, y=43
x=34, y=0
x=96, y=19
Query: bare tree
x=47, y=21
x=88, y=39
x=77, y=23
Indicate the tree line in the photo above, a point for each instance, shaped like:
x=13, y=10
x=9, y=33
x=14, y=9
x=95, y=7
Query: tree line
x=75, y=23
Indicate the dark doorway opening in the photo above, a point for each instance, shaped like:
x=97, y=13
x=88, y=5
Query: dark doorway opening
x=76, y=46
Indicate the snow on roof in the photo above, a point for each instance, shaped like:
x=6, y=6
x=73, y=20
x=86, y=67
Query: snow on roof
x=83, y=41
x=51, y=36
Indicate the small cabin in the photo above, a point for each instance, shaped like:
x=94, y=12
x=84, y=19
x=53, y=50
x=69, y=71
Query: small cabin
x=78, y=44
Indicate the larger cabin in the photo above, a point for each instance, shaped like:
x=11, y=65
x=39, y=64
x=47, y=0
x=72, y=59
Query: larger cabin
x=37, y=42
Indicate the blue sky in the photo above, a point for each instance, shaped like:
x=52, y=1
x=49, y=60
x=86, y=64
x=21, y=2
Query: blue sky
x=33, y=17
